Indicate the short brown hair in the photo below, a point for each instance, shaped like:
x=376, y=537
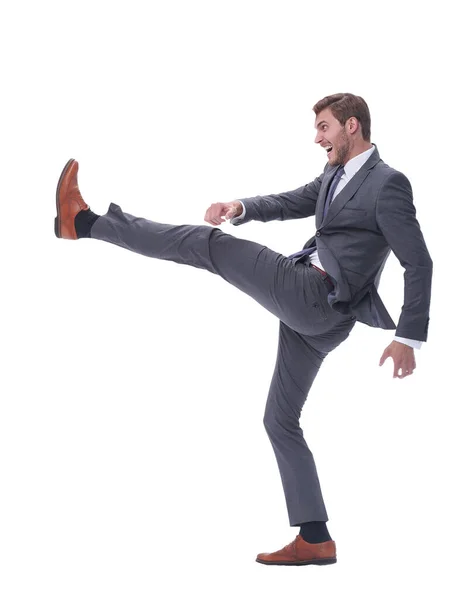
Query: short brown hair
x=344, y=106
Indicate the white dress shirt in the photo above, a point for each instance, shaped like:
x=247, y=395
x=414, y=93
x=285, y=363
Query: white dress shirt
x=350, y=169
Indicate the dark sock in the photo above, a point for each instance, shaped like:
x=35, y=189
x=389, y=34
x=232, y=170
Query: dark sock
x=84, y=222
x=314, y=532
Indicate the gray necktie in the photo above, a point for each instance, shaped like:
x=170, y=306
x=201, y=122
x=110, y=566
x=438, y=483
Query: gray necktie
x=329, y=197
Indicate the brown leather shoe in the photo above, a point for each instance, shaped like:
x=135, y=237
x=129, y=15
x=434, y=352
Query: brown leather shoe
x=300, y=552
x=69, y=201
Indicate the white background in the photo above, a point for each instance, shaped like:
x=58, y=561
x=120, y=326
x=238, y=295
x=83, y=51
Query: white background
x=133, y=458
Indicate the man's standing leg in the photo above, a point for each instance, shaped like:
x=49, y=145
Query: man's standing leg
x=297, y=365
x=298, y=361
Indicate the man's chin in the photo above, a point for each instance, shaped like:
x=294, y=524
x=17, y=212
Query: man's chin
x=333, y=158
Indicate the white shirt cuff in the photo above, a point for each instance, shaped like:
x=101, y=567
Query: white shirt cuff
x=413, y=343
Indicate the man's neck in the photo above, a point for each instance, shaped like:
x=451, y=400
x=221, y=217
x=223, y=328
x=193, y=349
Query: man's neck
x=357, y=150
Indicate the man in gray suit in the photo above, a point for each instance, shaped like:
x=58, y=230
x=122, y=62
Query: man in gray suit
x=363, y=209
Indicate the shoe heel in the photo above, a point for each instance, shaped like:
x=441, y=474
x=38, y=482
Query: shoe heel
x=324, y=561
x=56, y=228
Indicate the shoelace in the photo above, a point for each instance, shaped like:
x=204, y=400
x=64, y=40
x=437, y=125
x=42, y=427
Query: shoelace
x=291, y=546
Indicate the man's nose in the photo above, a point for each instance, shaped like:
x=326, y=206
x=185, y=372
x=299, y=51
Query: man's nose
x=318, y=138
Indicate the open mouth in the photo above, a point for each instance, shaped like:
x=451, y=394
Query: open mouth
x=329, y=149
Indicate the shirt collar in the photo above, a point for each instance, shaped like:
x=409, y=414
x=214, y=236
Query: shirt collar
x=355, y=164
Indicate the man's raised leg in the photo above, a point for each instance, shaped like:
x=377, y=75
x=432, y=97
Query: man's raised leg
x=294, y=293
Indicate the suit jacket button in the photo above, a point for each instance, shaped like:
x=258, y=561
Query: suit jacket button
x=318, y=234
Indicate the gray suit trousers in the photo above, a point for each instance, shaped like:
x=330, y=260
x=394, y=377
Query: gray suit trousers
x=292, y=291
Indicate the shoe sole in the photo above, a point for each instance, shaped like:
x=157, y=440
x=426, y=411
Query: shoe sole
x=316, y=561
x=57, y=224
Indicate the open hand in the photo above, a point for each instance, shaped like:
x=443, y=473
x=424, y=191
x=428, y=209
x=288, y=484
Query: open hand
x=403, y=357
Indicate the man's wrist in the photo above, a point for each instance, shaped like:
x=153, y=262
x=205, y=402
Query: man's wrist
x=415, y=344
x=238, y=209
x=240, y=212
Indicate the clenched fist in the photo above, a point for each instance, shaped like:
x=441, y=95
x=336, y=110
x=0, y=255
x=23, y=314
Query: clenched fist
x=228, y=210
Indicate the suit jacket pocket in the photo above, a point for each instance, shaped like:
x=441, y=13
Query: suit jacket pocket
x=355, y=211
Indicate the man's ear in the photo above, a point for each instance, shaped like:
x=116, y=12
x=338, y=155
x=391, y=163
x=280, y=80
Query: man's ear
x=353, y=125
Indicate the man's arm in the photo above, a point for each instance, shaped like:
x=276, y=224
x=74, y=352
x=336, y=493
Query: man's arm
x=295, y=204
x=396, y=217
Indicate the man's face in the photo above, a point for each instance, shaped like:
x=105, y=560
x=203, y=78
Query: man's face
x=332, y=135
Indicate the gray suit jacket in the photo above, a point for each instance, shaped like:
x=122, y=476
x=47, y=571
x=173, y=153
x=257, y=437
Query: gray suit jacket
x=372, y=215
